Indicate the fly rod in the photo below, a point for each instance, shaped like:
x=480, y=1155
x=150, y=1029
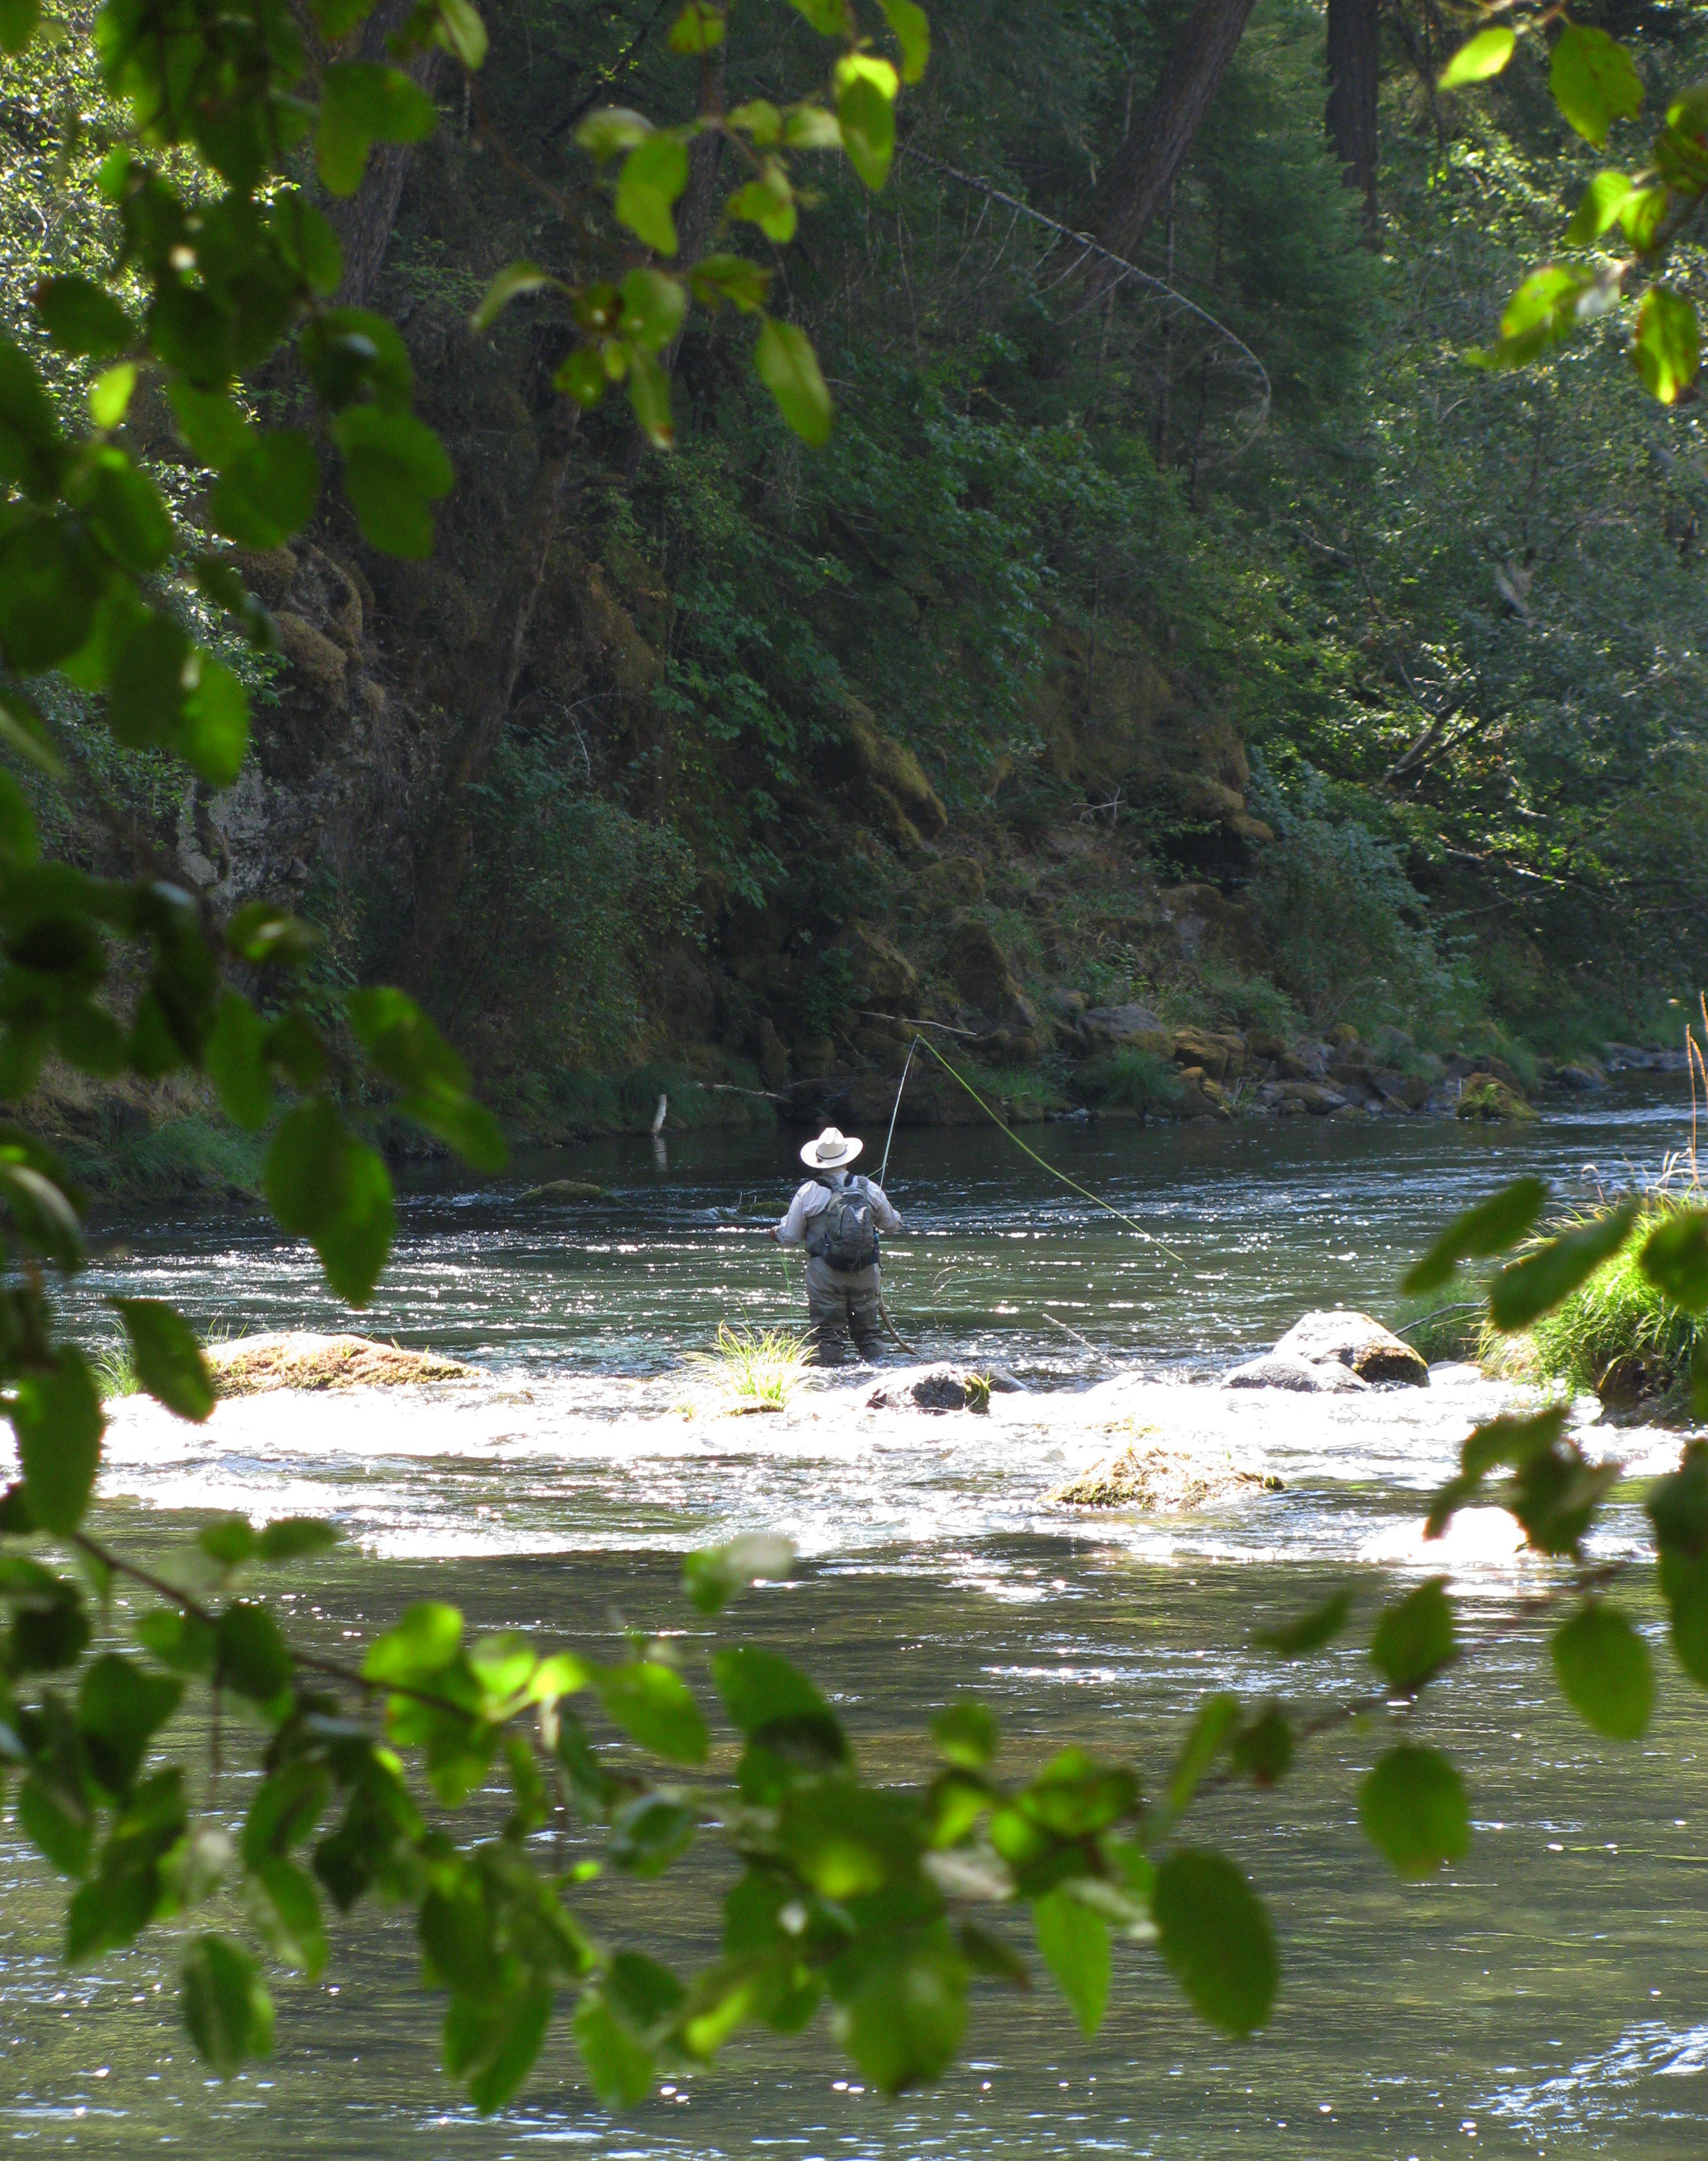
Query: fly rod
x=896, y=1110
x=1084, y=1192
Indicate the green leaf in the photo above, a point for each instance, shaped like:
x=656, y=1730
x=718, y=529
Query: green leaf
x=829, y=17
x=81, y=318
x=1598, y=206
x=236, y=1062
x=865, y=93
x=52, y=1829
x=109, y=394
x=460, y=32
x=1478, y=1234
x=18, y=19
x=761, y=1688
x=394, y=467
x=120, y=1708
x=231, y=1541
x=58, y=1420
x=1216, y=1719
x=649, y=394
x=126, y=511
x=362, y=102
x=1642, y=213
x=267, y=936
x=1074, y=1944
x=1604, y=1671
x=912, y=30
x=1674, y=1258
x=901, y=2013
x=699, y=29
x=253, y=1657
x=1413, y=1638
x=227, y=2008
x=424, y=1640
x=267, y=491
x=216, y=720
x=714, y=1575
x=1524, y=1290
x=1684, y=1582
x=291, y=1538
x=351, y=354
x=767, y=202
x=654, y=1706
x=582, y=377
x=788, y=368
x=185, y=1641
x=326, y=1186
x=286, y=1909
x=1478, y=57
x=1320, y=1625
x=730, y=278
x=169, y=1360
x=611, y=129
x=649, y=1834
x=1216, y=1938
x=1668, y=345
x=511, y=282
x=654, y=308
x=1414, y=1810
x=1594, y=81
x=966, y=1734
x=619, y=2067
x=654, y=175
x=1262, y=1749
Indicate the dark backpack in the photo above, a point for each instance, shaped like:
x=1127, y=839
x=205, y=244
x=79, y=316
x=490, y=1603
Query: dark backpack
x=844, y=1233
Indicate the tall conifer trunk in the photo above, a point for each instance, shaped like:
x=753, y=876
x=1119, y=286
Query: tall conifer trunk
x=1144, y=168
x=1353, y=79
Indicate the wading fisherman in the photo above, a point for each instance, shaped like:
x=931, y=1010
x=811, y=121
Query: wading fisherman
x=837, y=1218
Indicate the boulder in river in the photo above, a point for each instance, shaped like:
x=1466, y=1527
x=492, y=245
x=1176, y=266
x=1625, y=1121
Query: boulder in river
x=1302, y=1375
x=563, y=1189
x=1147, y=1472
x=1486, y=1097
x=256, y=1365
x=936, y=1388
x=1356, y=1343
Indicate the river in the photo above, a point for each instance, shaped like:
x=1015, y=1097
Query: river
x=1550, y=1996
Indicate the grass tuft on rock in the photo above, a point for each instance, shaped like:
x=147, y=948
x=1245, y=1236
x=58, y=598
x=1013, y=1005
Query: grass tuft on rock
x=1616, y=1336
x=1133, y=1081
x=760, y=1368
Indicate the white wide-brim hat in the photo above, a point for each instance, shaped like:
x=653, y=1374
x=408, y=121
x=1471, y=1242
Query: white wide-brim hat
x=830, y=1151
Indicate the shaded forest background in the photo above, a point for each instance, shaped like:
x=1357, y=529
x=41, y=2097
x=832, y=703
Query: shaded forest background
x=1353, y=687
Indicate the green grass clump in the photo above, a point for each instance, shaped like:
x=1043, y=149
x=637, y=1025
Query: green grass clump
x=183, y=1155
x=1448, y=1331
x=115, y=1373
x=1133, y=1081
x=759, y=1367
x=1617, y=1334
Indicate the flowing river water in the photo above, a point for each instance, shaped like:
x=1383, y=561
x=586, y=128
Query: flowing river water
x=1550, y=1996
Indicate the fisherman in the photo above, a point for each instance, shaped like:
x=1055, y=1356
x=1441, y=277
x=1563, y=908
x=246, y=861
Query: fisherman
x=837, y=1218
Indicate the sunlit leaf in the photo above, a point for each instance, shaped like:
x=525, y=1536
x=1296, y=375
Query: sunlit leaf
x=1479, y=57
x=1603, y=1671
x=1216, y=1938
x=1414, y=1810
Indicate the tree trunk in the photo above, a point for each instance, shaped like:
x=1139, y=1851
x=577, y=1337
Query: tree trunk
x=1144, y=169
x=489, y=683
x=1353, y=80
x=363, y=222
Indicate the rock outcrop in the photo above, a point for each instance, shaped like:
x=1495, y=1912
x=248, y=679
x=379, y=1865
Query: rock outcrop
x=1332, y=1353
x=1150, y=1473
x=256, y=1365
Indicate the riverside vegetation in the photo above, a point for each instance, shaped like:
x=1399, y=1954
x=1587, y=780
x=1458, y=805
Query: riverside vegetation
x=883, y=1904
x=1045, y=674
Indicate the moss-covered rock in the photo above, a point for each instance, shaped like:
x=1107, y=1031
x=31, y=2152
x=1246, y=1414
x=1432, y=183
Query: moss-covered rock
x=1150, y=1473
x=1490, y=1101
x=258, y=1364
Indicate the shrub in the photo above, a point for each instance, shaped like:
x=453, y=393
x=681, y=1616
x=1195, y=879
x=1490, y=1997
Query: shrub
x=1133, y=1081
x=1618, y=1334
